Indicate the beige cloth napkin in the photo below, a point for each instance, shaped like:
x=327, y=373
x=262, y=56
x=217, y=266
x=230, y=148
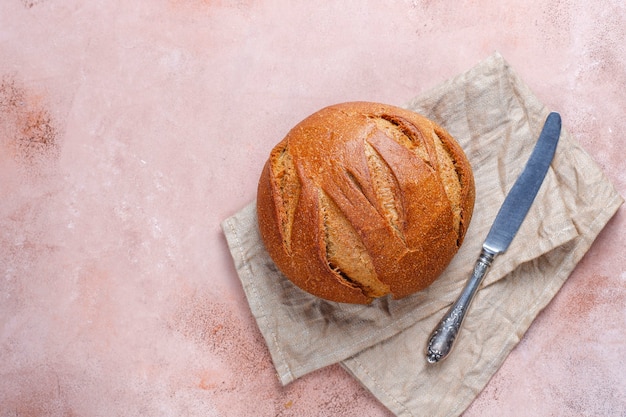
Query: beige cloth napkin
x=496, y=119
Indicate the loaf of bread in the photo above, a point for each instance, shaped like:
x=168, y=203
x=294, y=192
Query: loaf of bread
x=361, y=200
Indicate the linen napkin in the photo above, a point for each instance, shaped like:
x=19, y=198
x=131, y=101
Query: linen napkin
x=496, y=119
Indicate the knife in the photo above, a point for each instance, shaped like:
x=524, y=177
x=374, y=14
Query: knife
x=505, y=226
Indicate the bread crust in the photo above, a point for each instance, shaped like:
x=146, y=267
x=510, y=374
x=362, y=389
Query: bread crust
x=363, y=199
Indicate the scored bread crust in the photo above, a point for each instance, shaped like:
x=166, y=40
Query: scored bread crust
x=361, y=200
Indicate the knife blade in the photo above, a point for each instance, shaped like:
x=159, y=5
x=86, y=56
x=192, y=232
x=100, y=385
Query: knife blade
x=504, y=228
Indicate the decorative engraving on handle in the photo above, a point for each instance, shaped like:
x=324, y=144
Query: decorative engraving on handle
x=442, y=339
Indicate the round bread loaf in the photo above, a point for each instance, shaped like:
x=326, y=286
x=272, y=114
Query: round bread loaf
x=361, y=200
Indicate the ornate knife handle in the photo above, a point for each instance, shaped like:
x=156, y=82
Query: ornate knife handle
x=442, y=338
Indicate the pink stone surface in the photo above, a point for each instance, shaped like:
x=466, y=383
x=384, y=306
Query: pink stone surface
x=130, y=129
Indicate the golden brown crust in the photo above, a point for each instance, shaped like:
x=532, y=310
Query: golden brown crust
x=364, y=199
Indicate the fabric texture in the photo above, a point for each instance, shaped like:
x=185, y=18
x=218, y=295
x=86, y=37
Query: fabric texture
x=497, y=120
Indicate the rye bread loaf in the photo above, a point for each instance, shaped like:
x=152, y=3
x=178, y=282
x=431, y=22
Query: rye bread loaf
x=361, y=200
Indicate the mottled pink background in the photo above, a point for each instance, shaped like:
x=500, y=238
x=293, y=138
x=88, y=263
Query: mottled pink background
x=130, y=129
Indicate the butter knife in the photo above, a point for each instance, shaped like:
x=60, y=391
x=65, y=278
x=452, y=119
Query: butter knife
x=504, y=228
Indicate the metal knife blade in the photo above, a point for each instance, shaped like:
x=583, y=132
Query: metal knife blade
x=520, y=198
x=504, y=228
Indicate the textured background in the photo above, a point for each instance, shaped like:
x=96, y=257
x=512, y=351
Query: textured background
x=129, y=130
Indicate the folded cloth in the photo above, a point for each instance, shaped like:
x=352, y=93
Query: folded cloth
x=496, y=119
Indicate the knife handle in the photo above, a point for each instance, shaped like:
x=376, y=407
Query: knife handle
x=442, y=338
